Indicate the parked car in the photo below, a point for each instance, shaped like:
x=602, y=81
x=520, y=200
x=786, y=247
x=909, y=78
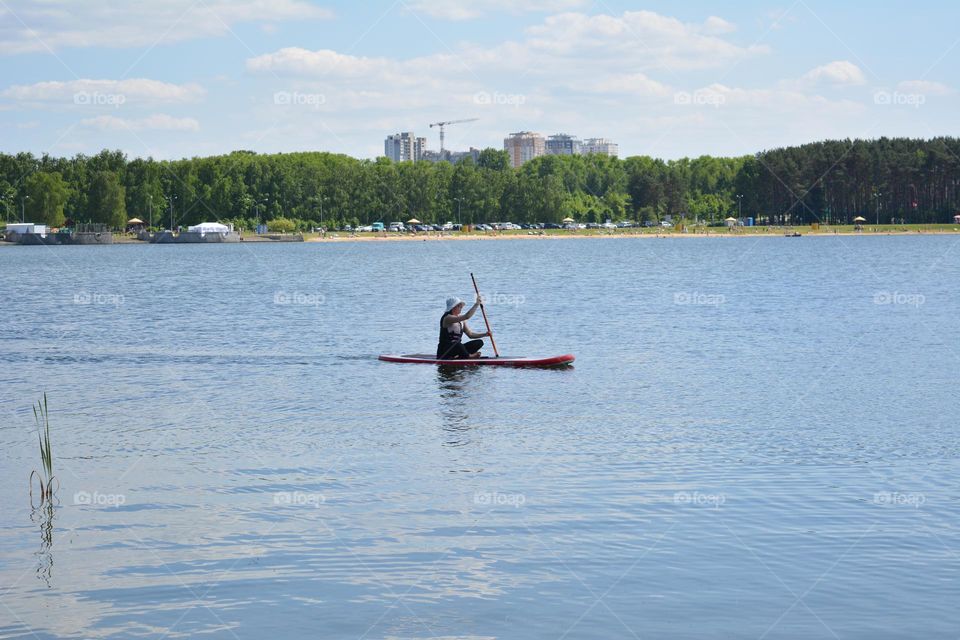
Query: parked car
x=593, y=225
x=376, y=226
x=483, y=227
x=365, y=227
x=397, y=226
x=608, y=225
x=552, y=225
x=447, y=227
x=666, y=223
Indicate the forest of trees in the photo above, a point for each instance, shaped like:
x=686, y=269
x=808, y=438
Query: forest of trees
x=914, y=181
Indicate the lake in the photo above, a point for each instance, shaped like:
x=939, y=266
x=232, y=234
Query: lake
x=759, y=438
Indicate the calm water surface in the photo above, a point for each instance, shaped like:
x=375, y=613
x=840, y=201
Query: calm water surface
x=759, y=440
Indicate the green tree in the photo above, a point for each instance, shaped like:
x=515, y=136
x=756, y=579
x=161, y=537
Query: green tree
x=282, y=225
x=494, y=159
x=46, y=195
x=106, y=201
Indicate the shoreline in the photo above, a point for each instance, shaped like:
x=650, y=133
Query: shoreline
x=485, y=237
x=610, y=236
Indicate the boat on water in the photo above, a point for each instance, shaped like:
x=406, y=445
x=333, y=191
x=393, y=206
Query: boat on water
x=499, y=361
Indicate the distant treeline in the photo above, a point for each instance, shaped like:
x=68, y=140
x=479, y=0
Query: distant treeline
x=910, y=180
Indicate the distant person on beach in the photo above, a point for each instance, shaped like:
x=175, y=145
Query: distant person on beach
x=452, y=327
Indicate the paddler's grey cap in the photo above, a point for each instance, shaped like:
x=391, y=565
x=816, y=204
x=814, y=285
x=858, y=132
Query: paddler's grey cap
x=452, y=302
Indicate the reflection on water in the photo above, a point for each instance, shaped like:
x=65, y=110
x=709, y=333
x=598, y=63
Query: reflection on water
x=43, y=515
x=453, y=384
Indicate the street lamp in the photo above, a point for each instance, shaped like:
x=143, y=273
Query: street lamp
x=459, y=217
x=150, y=208
x=321, y=199
x=739, y=205
x=914, y=202
x=878, y=195
x=23, y=206
x=170, y=199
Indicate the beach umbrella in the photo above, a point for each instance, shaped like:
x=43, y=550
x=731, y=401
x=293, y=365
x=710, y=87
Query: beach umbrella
x=730, y=220
x=413, y=221
x=859, y=219
x=568, y=220
x=134, y=221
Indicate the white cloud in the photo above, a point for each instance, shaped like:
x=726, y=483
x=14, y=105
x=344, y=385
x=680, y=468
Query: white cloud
x=636, y=84
x=31, y=26
x=83, y=91
x=297, y=61
x=469, y=9
x=924, y=87
x=784, y=99
x=637, y=39
x=156, y=122
x=717, y=26
x=562, y=49
x=838, y=73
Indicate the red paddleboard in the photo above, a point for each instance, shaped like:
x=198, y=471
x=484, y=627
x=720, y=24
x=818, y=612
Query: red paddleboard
x=424, y=358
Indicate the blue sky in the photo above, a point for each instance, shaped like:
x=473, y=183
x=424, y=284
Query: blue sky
x=182, y=78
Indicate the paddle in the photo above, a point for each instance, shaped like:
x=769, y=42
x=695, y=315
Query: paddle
x=487, y=322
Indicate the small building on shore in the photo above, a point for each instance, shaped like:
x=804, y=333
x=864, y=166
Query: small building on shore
x=27, y=227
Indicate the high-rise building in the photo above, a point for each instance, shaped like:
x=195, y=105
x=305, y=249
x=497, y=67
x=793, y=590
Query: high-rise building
x=562, y=144
x=524, y=146
x=600, y=145
x=401, y=147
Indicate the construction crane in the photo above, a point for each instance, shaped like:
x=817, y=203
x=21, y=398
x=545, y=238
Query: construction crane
x=443, y=124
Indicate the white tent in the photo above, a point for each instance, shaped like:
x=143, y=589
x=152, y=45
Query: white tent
x=209, y=227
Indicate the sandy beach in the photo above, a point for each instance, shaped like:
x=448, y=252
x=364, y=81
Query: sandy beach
x=454, y=236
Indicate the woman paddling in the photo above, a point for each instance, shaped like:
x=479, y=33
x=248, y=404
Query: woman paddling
x=453, y=326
